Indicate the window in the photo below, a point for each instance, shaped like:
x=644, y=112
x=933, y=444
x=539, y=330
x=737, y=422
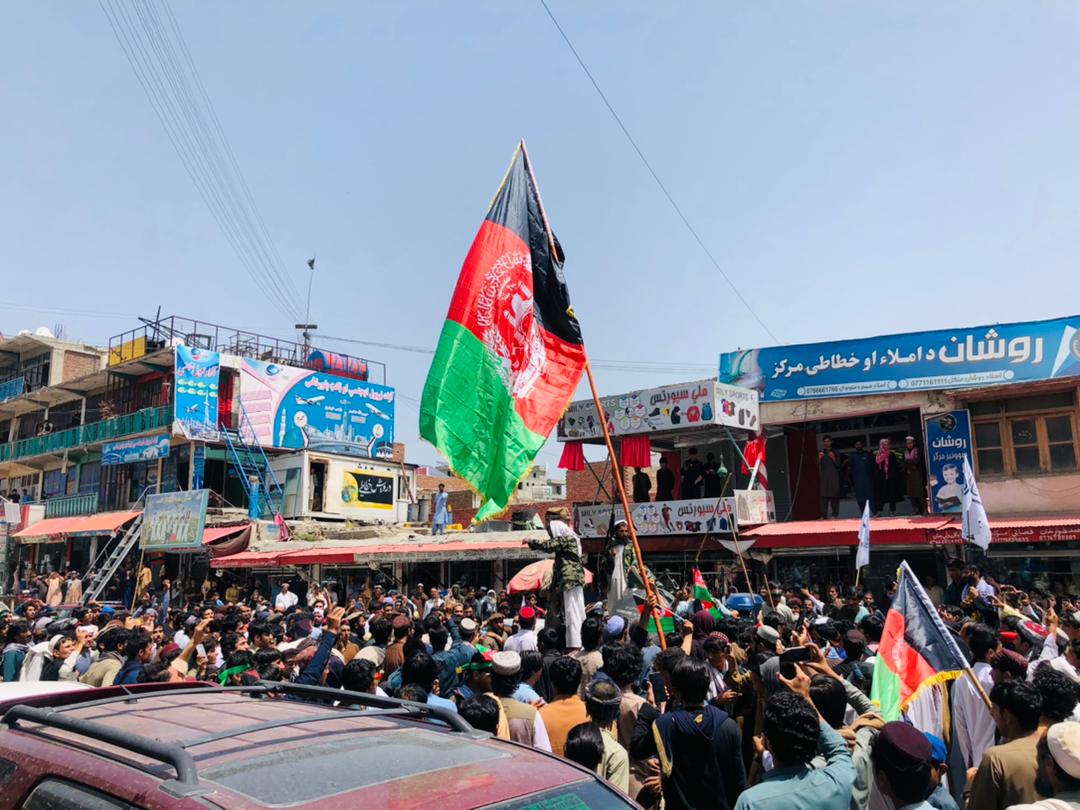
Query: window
x=1026, y=435
x=53, y=794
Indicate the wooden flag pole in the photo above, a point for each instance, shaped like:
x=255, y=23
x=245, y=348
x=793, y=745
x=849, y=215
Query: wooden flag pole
x=979, y=687
x=619, y=483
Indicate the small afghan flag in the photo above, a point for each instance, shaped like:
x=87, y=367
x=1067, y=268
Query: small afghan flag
x=510, y=355
x=702, y=595
x=667, y=619
x=916, y=649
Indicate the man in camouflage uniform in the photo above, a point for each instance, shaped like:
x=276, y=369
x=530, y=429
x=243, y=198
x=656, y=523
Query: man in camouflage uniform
x=568, y=574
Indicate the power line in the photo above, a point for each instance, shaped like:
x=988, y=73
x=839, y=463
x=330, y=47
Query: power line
x=167, y=84
x=655, y=176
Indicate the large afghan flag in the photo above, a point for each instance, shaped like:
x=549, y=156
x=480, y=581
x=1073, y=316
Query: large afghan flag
x=510, y=355
x=916, y=649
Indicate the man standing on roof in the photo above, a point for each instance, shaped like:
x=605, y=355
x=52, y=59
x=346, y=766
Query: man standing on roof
x=441, y=513
x=568, y=573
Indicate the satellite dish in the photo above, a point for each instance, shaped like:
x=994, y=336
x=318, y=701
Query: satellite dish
x=43, y=331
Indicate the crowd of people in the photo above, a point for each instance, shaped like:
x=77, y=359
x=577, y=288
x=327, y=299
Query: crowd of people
x=768, y=709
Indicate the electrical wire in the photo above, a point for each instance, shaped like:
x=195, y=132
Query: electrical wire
x=655, y=176
x=167, y=83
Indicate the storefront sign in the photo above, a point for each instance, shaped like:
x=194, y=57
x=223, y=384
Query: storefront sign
x=960, y=358
x=948, y=442
x=675, y=407
x=198, y=374
x=198, y=465
x=174, y=520
x=130, y=451
x=366, y=489
x=298, y=408
x=707, y=515
x=1011, y=535
x=754, y=507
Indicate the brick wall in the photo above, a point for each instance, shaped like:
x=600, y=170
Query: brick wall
x=77, y=364
x=399, y=453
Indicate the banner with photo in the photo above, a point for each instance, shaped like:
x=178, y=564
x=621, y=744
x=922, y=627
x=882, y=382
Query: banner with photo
x=705, y=403
x=707, y=515
x=948, y=443
x=198, y=373
x=754, y=507
x=174, y=520
x=301, y=409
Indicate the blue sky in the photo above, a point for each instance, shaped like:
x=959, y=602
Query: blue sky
x=857, y=168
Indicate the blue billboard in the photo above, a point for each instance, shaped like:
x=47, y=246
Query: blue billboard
x=917, y=361
x=948, y=443
x=298, y=408
x=198, y=372
x=129, y=451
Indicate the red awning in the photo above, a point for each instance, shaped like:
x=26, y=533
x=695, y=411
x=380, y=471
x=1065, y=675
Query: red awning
x=223, y=541
x=101, y=523
x=827, y=533
x=246, y=559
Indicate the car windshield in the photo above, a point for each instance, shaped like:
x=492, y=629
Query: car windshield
x=361, y=761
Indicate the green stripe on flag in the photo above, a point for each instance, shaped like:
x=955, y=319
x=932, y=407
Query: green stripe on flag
x=468, y=413
x=885, y=690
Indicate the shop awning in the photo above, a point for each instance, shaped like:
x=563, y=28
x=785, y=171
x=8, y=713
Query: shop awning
x=224, y=541
x=828, y=533
x=1017, y=531
x=246, y=559
x=101, y=523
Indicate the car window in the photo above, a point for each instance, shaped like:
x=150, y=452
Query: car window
x=585, y=795
x=54, y=794
x=7, y=770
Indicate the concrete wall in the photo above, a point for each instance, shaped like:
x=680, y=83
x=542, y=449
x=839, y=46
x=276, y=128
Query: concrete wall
x=1033, y=494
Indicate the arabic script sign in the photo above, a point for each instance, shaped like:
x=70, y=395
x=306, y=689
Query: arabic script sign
x=948, y=441
x=961, y=358
x=707, y=515
x=705, y=403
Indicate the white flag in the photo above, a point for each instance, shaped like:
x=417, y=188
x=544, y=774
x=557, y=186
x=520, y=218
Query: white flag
x=975, y=528
x=862, y=557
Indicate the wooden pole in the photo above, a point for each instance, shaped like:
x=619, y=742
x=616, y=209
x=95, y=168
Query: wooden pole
x=979, y=688
x=858, y=571
x=619, y=483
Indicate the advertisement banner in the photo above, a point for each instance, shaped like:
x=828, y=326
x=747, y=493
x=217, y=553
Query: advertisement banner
x=918, y=361
x=198, y=466
x=705, y=403
x=948, y=442
x=364, y=489
x=174, y=520
x=708, y=515
x=129, y=451
x=198, y=373
x=754, y=507
x=297, y=408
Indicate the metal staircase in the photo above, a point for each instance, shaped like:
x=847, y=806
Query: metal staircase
x=113, y=559
x=266, y=498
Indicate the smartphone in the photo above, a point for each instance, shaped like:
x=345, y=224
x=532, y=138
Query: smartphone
x=788, y=659
x=200, y=649
x=508, y=623
x=659, y=692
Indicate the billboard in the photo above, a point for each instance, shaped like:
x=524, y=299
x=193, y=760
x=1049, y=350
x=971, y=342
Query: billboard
x=948, y=442
x=297, y=408
x=174, y=520
x=198, y=374
x=129, y=451
x=754, y=506
x=364, y=489
x=918, y=361
x=705, y=403
x=710, y=515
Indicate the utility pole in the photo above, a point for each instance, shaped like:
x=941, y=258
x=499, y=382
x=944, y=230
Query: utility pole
x=307, y=327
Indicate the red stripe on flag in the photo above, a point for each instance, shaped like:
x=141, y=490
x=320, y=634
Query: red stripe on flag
x=903, y=659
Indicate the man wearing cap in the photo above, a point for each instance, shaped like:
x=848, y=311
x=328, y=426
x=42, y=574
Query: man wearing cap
x=940, y=798
x=526, y=724
x=615, y=548
x=1058, y=764
x=1006, y=774
x=903, y=765
x=568, y=573
x=524, y=640
x=285, y=599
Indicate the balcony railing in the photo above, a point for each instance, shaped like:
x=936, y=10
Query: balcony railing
x=72, y=505
x=130, y=424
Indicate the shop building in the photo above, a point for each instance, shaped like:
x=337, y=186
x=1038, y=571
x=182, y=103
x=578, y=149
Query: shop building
x=268, y=426
x=1005, y=396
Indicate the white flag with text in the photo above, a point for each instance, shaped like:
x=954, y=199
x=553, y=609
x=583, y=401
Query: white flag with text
x=975, y=528
x=862, y=557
